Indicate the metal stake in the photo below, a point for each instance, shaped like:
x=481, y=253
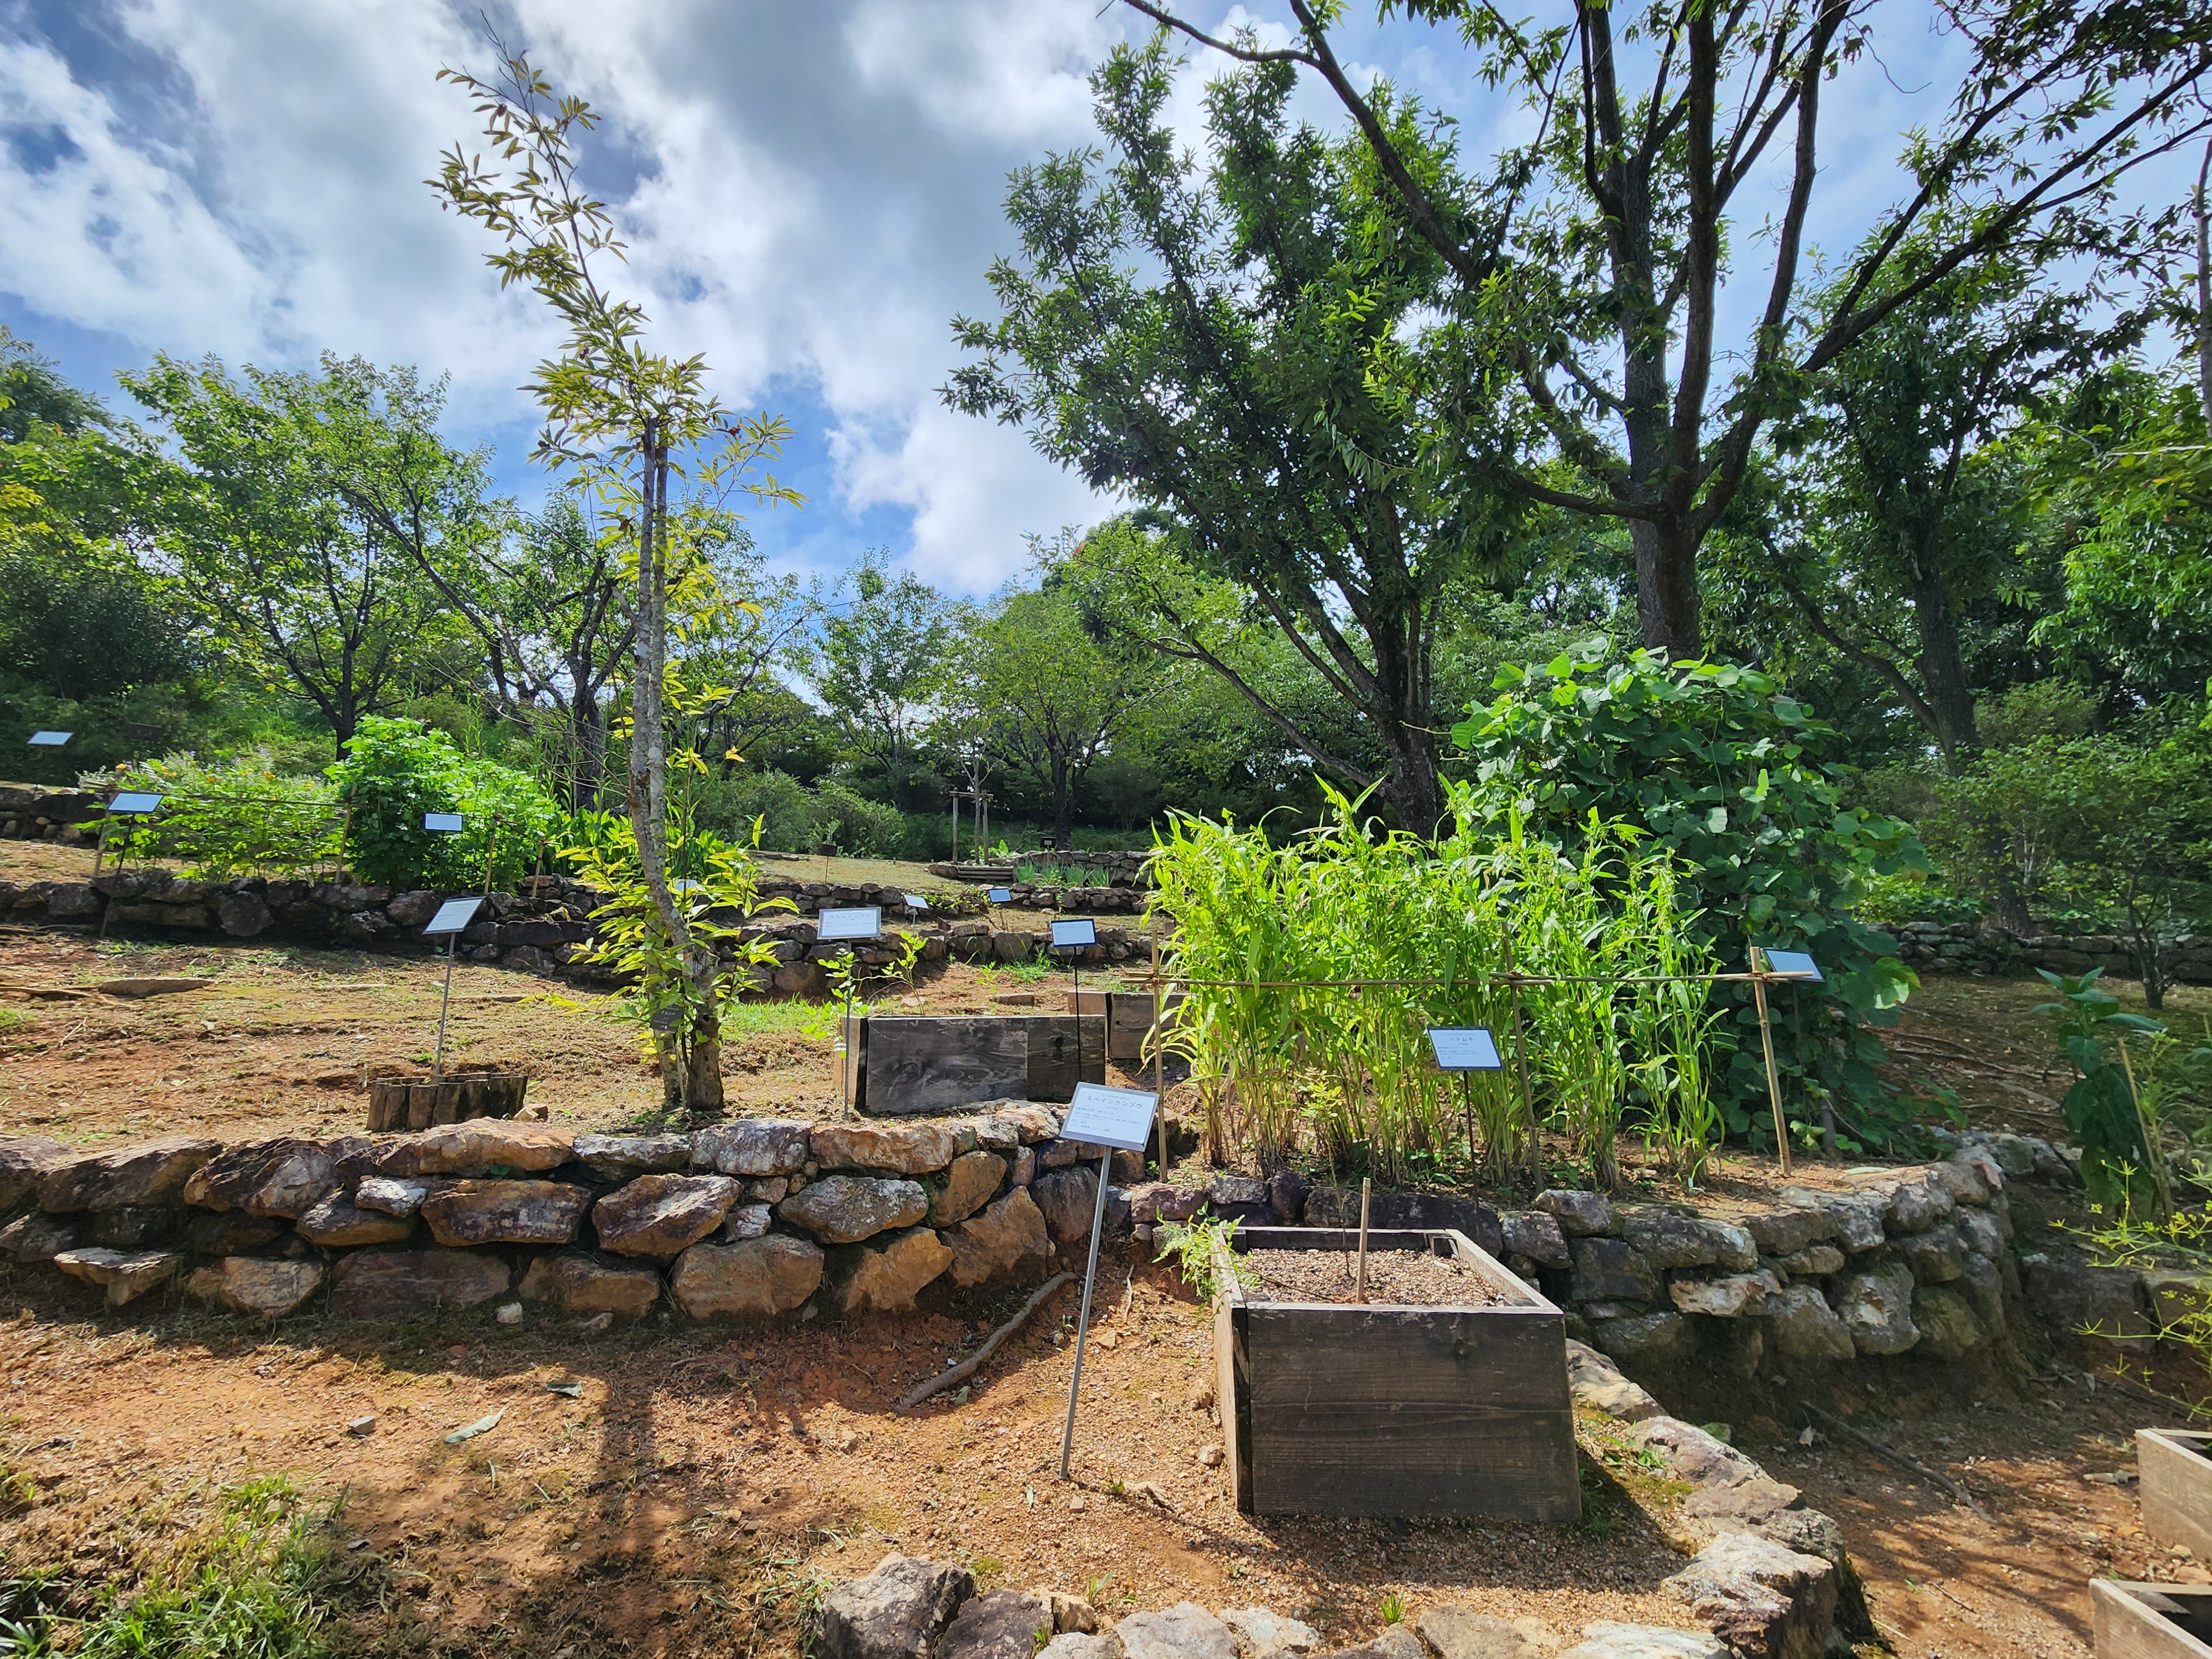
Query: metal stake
x=1766, y=1042
x=1083, y=1320
x=438, y=1054
x=850, y=1049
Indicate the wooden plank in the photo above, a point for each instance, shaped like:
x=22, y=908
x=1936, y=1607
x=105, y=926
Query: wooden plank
x=1128, y=1015
x=1055, y=1063
x=2150, y=1621
x=1410, y=1412
x=913, y=1065
x=1231, y=1396
x=2177, y=1487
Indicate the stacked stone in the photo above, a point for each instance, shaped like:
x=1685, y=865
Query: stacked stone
x=1940, y=947
x=30, y=811
x=756, y=1218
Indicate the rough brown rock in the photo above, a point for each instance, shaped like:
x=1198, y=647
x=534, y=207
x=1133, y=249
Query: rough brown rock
x=463, y=1213
x=337, y=1224
x=477, y=1146
x=153, y=1172
x=400, y=1284
x=751, y=1147
x=898, y=1612
x=915, y=1148
x=1003, y=1624
x=663, y=1215
x=1764, y=1601
x=884, y=1275
x=254, y=1285
x=624, y=1158
x=37, y=1237
x=24, y=1161
x=757, y=1279
x=391, y=1195
x=286, y=1177
x=1463, y=1633
x=580, y=1284
x=846, y=1209
x=125, y=1274
x=969, y=1185
x=1007, y=1242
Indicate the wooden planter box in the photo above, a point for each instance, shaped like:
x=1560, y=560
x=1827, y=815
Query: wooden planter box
x=2150, y=1621
x=417, y=1103
x=1128, y=1017
x=1339, y=1409
x=2175, y=1469
x=896, y=1065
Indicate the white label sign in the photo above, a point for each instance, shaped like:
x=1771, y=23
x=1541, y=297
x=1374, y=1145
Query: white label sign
x=1068, y=934
x=442, y=824
x=1465, y=1048
x=454, y=916
x=1120, y=1118
x=1002, y=895
x=915, y=900
x=855, y=923
x=1792, y=964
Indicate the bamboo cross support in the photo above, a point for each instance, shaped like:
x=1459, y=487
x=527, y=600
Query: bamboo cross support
x=1758, y=977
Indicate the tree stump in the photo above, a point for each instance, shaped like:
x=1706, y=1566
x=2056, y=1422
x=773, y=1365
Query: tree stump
x=418, y=1102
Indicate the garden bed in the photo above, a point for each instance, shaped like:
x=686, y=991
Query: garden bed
x=1395, y=1409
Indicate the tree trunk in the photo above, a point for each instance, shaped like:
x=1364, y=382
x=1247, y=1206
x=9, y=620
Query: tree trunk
x=1063, y=805
x=1668, y=613
x=588, y=739
x=1413, y=789
x=1943, y=668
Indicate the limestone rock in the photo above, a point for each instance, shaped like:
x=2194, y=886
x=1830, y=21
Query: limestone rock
x=284, y=1177
x=751, y=1147
x=462, y=1212
x=1006, y=1125
x=391, y=1195
x=1763, y=1600
x=1007, y=1242
x=969, y=1185
x=1185, y=1631
x=1536, y=1235
x=746, y=1221
x=1980, y=1233
x=125, y=1274
x=1732, y=1296
x=846, y=1209
x=1806, y=1334
x=884, y=1275
x=1161, y=1200
x=414, y=908
x=1983, y=1285
x=1858, y=1225
x=1580, y=1215
x=622, y=1158
x=1935, y=1257
x=898, y=1612
x=1462, y=1633
x=338, y=1222
x=1611, y=1270
x=1260, y=1634
x=37, y=1237
x=1967, y=1180
x=473, y=1147
x=1786, y=1232
x=1948, y=1328
x=241, y=915
x=1607, y=1640
x=915, y=1148
x=1396, y=1642
x=24, y=1161
x=153, y=1172
x=391, y=1284
x=1695, y=1457
x=1648, y=1341
x=663, y=1215
x=1071, y=1613
x=2076, y=1298
x=1917, y=1205
x=1746, y=1506
x=1813, y=1262
x=1081, y=1644
x=580, y=1284
x=756, y=1279
x=1003, y=1624
x=1876, y=1309
x=255, y=1284
x=1598, y=1385
x=1669, y=1240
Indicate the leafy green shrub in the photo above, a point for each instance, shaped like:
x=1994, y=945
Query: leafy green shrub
x=1713, y=763
x=855, y=824
x=1891, y=901
x=395, y=771
x=245, y=814
x=795, y=819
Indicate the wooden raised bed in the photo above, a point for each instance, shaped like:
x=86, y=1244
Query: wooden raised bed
x=1128, y=1017
x=1332, y=1409
x=2150, y=1621
x=418, y=1102
x=2176, y=1476
x=899, y=1066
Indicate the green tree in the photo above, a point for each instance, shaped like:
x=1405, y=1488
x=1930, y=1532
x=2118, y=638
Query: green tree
x=640, y=431
x=1586, y=262
x=882, y=648
x=264, y=527
x=1201, y=340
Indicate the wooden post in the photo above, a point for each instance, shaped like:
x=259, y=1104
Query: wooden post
x=1521, y=1058
x=1366, y=1194
x=1766, y=1043
x=1159, y=1051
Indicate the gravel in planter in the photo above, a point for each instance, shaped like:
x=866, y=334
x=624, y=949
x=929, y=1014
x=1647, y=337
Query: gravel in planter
x=1395, y=1278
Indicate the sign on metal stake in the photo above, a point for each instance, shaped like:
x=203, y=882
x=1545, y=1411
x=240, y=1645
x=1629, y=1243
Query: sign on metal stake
x=1465, y=1049
x=856, y=922
x=1119, y=1120
x=452, y=916
x=1074, y=936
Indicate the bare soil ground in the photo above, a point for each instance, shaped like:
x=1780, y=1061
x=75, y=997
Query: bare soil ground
x=709, y=1482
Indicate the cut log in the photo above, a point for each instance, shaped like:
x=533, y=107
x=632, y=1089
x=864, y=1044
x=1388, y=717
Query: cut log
x=419, y=1103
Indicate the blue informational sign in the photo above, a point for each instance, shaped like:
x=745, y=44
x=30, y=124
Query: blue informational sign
x=50, y=739
x=857, y=922
x=1465, y=1048
x=442, y=824
x=1065, y=934
x=1002, y=896
x=1792, y=964
x=454, y=916
x=1120, y=1118
x=132, y=802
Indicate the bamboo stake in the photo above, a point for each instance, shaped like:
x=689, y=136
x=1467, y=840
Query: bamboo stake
x=967, y=1367
x=1366, y=1194
x=1766, y=1043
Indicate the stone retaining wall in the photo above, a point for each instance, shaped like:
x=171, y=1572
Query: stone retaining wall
x=1942, y=947
x=545, y=929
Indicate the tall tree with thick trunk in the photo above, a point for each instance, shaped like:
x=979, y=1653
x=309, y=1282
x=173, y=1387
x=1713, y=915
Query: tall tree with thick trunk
x=1589, y=262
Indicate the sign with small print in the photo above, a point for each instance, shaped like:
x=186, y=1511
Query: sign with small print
x=1002, y=896
x=442, y=824
x=454, y=916
x=1067, y=934
x=857, y=922
x=1120, y=1118
x=1465, y=1048
x=916, y=900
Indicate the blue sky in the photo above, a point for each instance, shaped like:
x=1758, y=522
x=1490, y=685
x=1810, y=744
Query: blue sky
x=811, y=191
